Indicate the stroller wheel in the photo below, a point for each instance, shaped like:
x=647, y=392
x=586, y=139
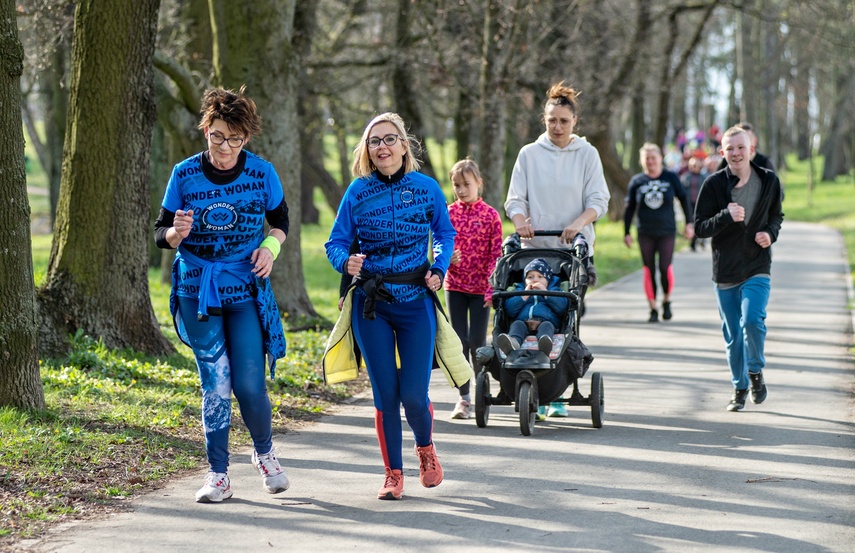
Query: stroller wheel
x=597, y=400
x=482, y=399
x=527, y=403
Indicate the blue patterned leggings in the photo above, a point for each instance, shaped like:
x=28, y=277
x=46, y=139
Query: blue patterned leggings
x=230, y=357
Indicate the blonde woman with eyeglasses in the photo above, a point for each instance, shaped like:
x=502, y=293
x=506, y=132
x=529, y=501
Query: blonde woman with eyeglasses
x=395, y=213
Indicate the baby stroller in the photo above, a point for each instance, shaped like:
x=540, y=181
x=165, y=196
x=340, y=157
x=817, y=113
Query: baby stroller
x=528, y=377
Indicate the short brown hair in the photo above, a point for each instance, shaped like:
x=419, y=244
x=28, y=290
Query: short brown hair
x=235, y=109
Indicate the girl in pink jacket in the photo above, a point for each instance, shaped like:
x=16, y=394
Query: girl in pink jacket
x=478, y=245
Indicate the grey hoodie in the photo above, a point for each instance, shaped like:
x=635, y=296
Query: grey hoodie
x=553, y=186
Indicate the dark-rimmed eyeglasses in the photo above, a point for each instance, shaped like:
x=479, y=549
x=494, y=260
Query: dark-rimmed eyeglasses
x=389, y=140
x=217, y=139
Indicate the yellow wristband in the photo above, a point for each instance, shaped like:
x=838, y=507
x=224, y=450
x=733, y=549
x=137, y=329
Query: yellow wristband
x=272, y=244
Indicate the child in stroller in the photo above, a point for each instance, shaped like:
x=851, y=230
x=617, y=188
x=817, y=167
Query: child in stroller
x=541, y=314
x=533, y=374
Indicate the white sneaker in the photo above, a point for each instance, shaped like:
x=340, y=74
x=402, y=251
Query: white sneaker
x=273, y=478
x=217, y=488
x=463, y=410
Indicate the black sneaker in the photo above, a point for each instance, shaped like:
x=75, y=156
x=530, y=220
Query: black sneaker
x=666, y=310
x=758, y=388
x=737, y=402
x=654, y=316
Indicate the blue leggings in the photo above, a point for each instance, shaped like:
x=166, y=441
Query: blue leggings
x=230, y=356
x=412, y=327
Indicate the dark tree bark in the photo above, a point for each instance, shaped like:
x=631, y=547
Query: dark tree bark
x=838, y=147
x=668, y=75
x=253, y=46
x=97, y=278
x=20, y=383
x=405, y=97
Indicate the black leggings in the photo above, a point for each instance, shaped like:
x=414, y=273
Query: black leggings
x=650, y=246
x=469, y=320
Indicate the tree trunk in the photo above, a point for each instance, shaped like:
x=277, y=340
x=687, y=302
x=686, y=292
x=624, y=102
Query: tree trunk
x=261, y=56
x=404, y=94
x=639, y=127
x=20, y=383
x=97, y=278
x=842, y=134
x=616, y=176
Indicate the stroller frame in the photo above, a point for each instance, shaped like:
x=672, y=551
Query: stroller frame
x=528, y=377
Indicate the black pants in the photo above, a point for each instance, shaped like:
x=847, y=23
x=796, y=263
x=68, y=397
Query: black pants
x=469, y=320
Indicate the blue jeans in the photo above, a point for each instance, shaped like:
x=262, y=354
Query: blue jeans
x=230, y=357
x=410, y=329
x=743, y=322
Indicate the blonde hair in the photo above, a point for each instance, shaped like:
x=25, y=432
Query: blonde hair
x=649, y=147
x=733, y=131
x=362, y=164
x=467, y=165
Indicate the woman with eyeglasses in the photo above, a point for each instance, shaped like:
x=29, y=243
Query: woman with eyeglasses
x=558, y=184
x=394, y=212
x=213, y=212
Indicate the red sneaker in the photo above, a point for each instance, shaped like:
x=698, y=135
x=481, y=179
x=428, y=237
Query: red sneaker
x=393, y=487
x=430, y=471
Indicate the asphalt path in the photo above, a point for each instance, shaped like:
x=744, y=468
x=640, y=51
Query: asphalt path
x=671, y=469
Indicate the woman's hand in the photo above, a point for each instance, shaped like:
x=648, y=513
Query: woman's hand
x=354, y=264
x=522, y=226
x=570, y=232
x=432, y=281
x=627, y=239
x=262, y=260
x=455, y=257
x=183, y=223
x=689, y=231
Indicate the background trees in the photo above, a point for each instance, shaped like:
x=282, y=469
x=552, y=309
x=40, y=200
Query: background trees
x=97, y=277
x=474, y=71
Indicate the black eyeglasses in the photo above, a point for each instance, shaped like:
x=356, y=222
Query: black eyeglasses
x=389, y=140
x=217, y=138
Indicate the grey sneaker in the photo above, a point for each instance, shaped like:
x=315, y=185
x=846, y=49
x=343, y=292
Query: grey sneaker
x=217, y=488
x=737, y=402
x=506, y=343
x=273, y=478
x=758, y=388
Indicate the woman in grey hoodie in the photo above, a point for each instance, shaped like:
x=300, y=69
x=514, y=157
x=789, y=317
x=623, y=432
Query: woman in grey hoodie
x=558, y=180
x=558, y=183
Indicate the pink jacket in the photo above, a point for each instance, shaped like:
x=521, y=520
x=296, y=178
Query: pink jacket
x=479, y=239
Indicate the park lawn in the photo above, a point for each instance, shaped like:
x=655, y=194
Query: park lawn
x=118, y=423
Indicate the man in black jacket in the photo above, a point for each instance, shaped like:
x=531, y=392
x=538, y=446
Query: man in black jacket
x=739, y=207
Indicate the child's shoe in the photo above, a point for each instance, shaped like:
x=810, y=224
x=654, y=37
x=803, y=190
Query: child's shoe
x=544, y=344
x=430, y=471
x=654, y=316
x=463, y=410
x=506, y=343
x=393, y=486
x=666, y=310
